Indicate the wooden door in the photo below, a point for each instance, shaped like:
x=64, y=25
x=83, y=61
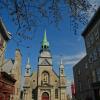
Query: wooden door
x=45, y=96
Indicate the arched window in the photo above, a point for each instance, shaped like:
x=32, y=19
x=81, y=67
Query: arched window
x=34, y=94
x=45, y=46
x=62, y=71
x=45, y=78
x=56, y=93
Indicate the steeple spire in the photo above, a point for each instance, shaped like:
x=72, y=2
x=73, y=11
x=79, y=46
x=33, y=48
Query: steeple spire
x=61, y=63
x=26, y=87
x=27, y=69
x=28, y=60
x=61, y=68
x=45, y=43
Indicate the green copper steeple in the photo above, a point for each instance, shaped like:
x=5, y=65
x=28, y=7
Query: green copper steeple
x=45, y=43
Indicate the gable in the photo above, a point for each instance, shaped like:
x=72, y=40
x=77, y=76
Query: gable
x=8, y=66
x=55, y=73
x=45, y=62
x=33, y=80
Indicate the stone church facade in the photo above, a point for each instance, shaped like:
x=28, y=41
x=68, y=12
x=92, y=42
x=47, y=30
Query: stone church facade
x=44, y=84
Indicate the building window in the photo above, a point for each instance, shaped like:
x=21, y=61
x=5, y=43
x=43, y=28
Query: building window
x=98, y=51
x=79, y=86
x=56, y=93
x=91, y=38
x=86, y=65
x=88, y=42
x=88, y=80
x=55, y=80
x=79, y=72
x=27, y=71
x=33, y=80
x=93, y=75
x=63, y=96
x=97, y=34
x=62, y=82
x=98, y=74
x=62, y=71
x=90, y=58
x=94, y=55
x=34, y=94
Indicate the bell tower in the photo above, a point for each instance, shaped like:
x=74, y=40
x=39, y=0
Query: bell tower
x=44, y=66
x=45, y=59
x=62, y=82
x=27, y=89
x=27, y=69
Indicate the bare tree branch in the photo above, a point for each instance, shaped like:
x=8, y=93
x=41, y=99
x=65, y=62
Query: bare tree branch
x=26, y=14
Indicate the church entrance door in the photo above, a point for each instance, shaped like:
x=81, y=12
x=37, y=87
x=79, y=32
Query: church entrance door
x=45, y=96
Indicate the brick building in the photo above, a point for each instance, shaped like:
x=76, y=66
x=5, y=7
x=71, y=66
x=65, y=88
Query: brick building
x=87, y=71
x=7, y=88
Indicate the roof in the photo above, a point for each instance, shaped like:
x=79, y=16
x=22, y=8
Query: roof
x=18, y=51
x=8, y=66
x=55, y=73
x=45, y=42
x=79, y=64
x=6, y=35
x=92, y=22
x=8, y=77
x=34, y=72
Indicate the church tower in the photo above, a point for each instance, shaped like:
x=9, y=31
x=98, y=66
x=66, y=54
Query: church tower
x=62, y=81
x=45, y=59
x=27, y=69
x=44, y=66
x=27, y=90
x=16, y=72
x=45, y=81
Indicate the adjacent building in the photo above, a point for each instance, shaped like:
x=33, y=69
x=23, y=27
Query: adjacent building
x=45, y=84
x=16, y=73
x=87, y=71
x=4, y=38
x=6, y=81
x=10, y=70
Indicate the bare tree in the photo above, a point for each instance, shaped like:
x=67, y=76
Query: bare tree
x=26, y=14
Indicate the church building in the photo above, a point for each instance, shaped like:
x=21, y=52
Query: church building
x=45, y=83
